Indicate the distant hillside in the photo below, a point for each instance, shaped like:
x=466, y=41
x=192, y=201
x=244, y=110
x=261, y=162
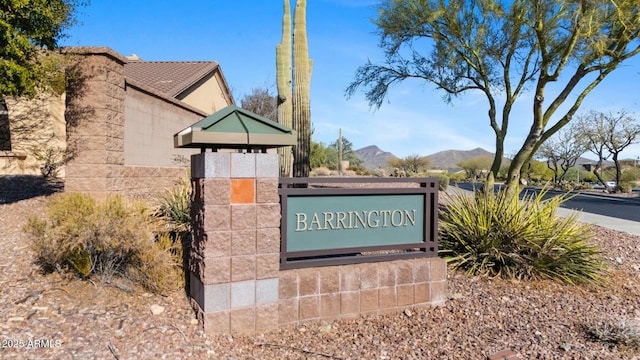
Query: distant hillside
x=373, y=157
x=450, y=158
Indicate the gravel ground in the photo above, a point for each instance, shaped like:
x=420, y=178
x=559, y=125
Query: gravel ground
x=57, y=317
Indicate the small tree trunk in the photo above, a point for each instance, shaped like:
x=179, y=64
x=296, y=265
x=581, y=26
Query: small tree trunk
x=514, y=181
x=497, y=160
x=618, y=171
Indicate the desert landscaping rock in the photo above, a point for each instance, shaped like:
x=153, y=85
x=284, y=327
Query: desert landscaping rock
x=56, y=316
x=157, y=309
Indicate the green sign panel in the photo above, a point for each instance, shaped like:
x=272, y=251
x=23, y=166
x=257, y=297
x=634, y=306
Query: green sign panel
x=347, y=221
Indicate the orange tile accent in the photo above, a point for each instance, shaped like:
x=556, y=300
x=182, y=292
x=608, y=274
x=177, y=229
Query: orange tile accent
x=243, y=191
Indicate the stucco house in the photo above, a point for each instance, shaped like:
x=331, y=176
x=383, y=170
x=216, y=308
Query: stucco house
x=115, y=121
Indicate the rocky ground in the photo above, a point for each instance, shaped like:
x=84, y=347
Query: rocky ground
x=56, y=317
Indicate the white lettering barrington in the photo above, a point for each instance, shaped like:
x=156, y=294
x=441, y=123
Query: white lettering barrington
x=355, y=219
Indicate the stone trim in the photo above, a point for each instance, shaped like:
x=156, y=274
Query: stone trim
x=94, y=50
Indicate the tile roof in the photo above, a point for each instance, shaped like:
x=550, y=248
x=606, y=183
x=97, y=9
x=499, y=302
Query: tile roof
x=169, y=77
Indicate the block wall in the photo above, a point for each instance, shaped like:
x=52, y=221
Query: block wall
x=145, y=182
x=95, y=122
x=348, y=291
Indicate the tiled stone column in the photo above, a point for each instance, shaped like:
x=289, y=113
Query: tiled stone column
x=234, y=258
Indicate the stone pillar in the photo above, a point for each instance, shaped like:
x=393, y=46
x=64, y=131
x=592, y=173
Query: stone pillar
x=95, y=121
x=234, y=260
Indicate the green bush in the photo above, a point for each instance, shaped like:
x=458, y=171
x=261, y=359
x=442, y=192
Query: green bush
x=174, y=207
x=173, y=210
x=457, y=177
x=625, y=187
x=443, y=182
x=102, y=239
x=491, y=235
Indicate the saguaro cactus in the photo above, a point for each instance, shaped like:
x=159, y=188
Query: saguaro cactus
x=301, y=88
x=300, y=108
x=283, y=71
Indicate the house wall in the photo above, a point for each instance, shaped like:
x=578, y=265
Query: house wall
x=118, y=133
x=210, y=95
x=152, y=164
x=150, y=123
x=121, y=131
x=36, y=126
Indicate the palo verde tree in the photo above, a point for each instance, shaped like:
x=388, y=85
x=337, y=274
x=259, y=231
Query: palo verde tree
x=476, y=166
x=297, y=112
x=608, y=134
x=27, y=27
x=501, y=49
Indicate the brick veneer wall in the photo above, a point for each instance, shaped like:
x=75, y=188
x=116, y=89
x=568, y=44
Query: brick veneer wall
x=235, y=282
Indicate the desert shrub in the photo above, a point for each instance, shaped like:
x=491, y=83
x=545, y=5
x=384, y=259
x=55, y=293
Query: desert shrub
x=174, y=207
x=103, y=240
x=625, y=187
x=443, y=179
x=320, y=171
x=52, y=161
x=582, y=186
x=173, y=210
x=622, y=331
x=457, y=177
x=491, y=235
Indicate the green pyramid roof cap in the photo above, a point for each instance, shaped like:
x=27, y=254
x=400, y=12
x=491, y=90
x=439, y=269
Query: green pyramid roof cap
x=235, y=128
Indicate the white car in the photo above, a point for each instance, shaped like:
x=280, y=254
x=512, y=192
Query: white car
x=610, y=184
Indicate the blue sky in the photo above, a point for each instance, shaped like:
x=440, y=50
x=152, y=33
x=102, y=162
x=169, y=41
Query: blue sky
x=242, y=34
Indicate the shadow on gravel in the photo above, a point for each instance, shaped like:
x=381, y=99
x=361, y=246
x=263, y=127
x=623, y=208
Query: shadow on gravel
x=14, y=188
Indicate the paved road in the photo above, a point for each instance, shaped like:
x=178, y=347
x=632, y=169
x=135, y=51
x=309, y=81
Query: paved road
x=607, y=205
x=594, y=203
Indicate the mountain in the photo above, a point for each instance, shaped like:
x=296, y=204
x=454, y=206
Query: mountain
x=450, y=158
x=373, y=157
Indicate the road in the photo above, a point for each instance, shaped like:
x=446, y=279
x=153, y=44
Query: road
x=626, y=208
